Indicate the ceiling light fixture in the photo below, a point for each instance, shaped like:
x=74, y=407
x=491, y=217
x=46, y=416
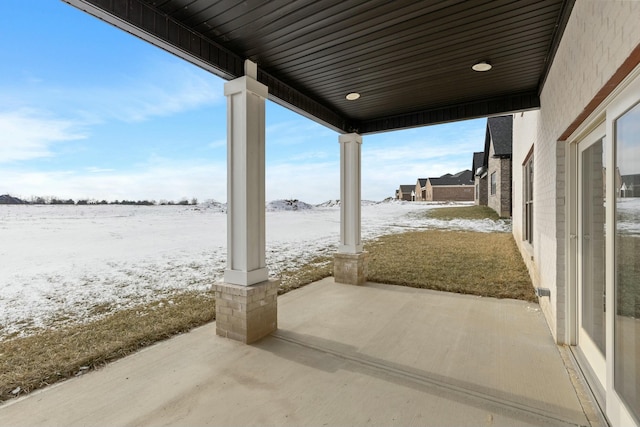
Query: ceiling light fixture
x=352, y=96
x=482, y=66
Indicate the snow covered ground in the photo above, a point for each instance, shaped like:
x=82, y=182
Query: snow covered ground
x=628, y=216
x=73, y=262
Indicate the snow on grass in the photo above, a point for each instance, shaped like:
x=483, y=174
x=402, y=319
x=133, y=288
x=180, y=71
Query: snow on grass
x=628, y=215
x=76, y=263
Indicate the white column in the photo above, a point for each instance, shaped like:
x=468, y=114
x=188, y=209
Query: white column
x=350, y=167
x=246, y=263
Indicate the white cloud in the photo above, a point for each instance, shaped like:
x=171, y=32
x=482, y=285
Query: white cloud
x=93, y=169
x=310, y=182
x=299, y=131
x=28, y=134
x=156, y=180
x=169, y=88
x=163, y=87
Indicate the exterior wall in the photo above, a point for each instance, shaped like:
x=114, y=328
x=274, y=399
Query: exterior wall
x=420, y=193
x=403, y=195
x=598, y=37
x=501, y=200
x=429, y=191
x=453, y=193
x=483, y=190
x=525, y=138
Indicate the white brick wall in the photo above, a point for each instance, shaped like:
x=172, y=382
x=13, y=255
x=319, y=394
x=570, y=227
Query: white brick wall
x=599, y=36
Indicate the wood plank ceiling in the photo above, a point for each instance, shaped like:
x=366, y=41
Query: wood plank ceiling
x=409, y=60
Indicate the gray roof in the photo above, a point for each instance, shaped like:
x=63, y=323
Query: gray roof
x=407, y=188
x=464, y=177
x=631, y=179
x=422, y=181
x=478, y=161
x=500, y=132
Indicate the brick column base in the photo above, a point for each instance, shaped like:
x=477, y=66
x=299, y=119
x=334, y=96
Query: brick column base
x=246, y=313
x=350, y=269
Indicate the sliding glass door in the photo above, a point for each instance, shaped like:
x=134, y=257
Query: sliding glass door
x=591, y=253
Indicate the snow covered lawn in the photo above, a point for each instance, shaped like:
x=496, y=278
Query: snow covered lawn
x=74, y=263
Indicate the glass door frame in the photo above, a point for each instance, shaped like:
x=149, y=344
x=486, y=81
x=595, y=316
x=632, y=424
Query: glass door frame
x=621, y=99
x=617, y=411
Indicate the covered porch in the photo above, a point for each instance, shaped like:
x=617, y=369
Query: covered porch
x=357, y=68
x=343, y=355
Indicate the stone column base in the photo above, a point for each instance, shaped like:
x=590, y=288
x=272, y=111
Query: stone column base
x=246, y=313
x=350, y=269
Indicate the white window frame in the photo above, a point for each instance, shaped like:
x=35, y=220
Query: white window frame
x=620, y=100
x=527, y=208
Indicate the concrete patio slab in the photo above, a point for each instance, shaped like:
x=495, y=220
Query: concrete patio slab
x=343, y=355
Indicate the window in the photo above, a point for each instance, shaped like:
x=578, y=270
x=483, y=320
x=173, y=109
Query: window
x=493, y=183
x=528, y=199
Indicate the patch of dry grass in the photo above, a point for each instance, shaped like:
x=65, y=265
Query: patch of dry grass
x=486, y=264
x=317, y=269
x=463, y=212
x=33, y=362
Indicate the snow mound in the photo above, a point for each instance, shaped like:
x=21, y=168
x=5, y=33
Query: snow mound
x=212, y=205
x=6, y=199
x=329, y=203
x=288, y=205
x=336, y=202
x=392, y=201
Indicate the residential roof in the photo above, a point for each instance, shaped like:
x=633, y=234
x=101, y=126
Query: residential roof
x=464, y=177
x=478, y=161
x=407, y=188
x=410, y=61
x=422, y=181
x=631, y=179
x=500, y=132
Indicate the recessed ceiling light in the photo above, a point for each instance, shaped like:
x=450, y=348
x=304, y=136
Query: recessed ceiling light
x=353, y=96
x=482, y=66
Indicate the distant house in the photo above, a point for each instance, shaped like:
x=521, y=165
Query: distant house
x=451, y=188
x=406, y=192
x=630, y=185
x=421, y=189
x=479, y=169
x=498, y=148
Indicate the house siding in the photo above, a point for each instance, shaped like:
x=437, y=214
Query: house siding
x=404, y=194
x=501, y=200
x=598, y=37
x=453, y=193
x=482, y=184
x=421, y=192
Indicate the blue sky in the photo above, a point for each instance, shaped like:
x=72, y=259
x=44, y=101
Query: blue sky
x=89, y=111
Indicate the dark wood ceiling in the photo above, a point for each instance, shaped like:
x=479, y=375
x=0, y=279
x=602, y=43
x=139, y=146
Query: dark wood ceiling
x=410, y=60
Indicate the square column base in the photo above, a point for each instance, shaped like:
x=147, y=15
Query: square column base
x=350, y=269
x=246, y=313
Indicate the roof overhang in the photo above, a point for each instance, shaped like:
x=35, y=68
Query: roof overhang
x=410, y=61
